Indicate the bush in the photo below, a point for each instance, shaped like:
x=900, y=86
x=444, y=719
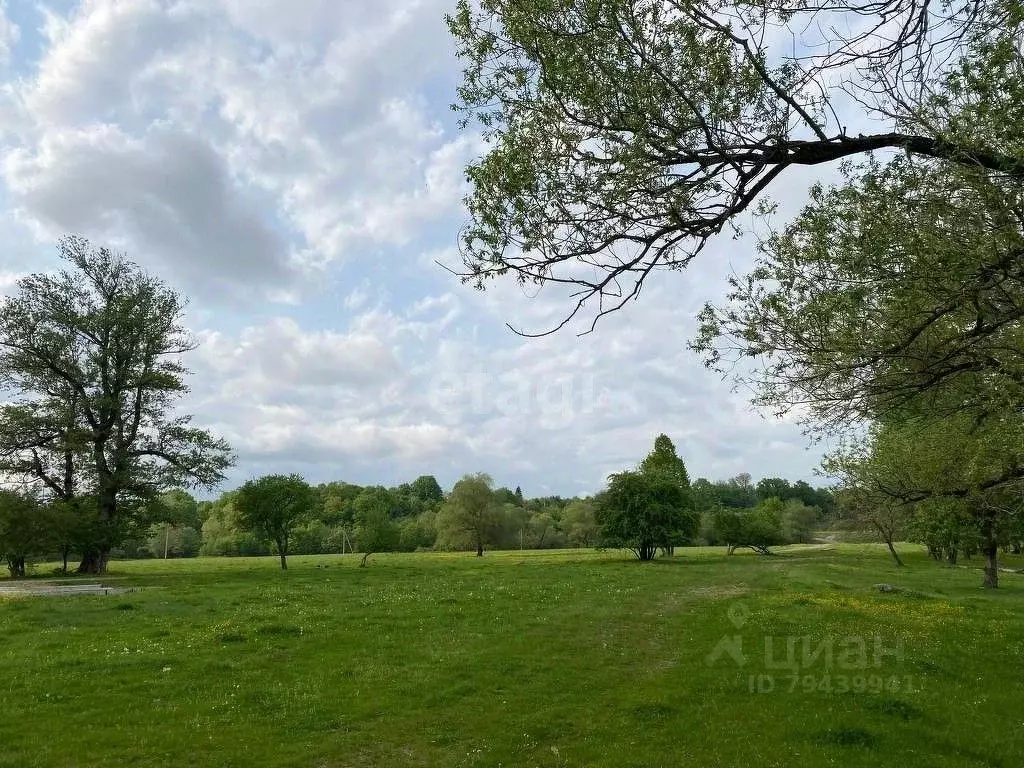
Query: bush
x=758, y=528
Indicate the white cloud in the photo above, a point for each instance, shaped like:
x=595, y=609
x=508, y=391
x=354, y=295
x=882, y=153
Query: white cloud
x=10, y=33
x=167, y=190
x=280, y=354
x=97, y=54
x=292, y=164
x=399, y=389
x=309, y=105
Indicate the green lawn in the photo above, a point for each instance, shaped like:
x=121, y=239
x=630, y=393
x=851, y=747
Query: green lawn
x=519, y=659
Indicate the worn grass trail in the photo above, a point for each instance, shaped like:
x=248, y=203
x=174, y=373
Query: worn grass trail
x=520, y=659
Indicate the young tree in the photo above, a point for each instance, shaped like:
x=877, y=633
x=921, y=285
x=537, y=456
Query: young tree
x=580, y=523
x=376, y=531
x=23, y=531
x=92, y=355
x=543, y=529
x=470, y=515
x=886, y=516
x=798, y=521
x=948, y=461
x=642, y=512
x=68, y=523
x=273, y=506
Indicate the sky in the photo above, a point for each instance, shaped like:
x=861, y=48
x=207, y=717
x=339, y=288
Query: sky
x=295, y=169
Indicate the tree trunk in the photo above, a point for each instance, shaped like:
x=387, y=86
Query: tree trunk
x=990, y=549
x=895, y=554
x=479, y=549
x=16, y=566
x=64, y=554
x=362, y=563
x=94, y=561
x=951, y=555
x=96, y=555
x=284, y=558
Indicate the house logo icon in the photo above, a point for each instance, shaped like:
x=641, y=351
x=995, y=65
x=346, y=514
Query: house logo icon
x=731, y=646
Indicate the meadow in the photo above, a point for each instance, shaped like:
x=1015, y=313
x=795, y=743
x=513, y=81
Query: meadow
x=571, y=658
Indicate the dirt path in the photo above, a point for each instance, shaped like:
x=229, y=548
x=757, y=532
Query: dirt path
x=55, y=588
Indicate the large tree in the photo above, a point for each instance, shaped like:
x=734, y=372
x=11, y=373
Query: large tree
x=623, y=135
x=649, y=508
x=896, y=298
x=273, y=506
x=663, y=462
x=470, y=516
x=93, y=357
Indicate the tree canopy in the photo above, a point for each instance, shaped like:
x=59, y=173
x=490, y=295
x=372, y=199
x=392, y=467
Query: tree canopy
x=623, y=135
x=375, y=528
x=898, y=292
x=663, y=461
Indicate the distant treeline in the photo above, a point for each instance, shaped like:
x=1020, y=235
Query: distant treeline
x=212, y=528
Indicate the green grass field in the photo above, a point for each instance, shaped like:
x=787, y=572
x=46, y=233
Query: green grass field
x=520, y=659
